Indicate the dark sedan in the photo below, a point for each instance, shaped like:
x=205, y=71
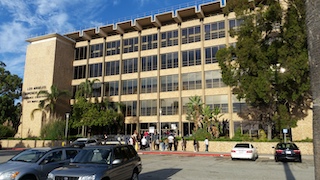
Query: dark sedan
x=287, y=151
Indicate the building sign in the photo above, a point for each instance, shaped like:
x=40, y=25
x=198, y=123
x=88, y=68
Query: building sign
x=31, y=94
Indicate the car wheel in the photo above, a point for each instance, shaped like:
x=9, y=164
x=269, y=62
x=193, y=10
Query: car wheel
x=135, y=176
x=232, y=159
x=300, y=160
x=276, y=159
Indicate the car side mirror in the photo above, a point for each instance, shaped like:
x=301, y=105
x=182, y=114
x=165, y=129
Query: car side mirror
x=117, y=161
x=273, y=147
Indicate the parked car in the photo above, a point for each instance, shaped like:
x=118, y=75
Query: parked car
x=102, y=162
x=36, y=163
x=244, y=151
x=82, y=142
x=287, y=151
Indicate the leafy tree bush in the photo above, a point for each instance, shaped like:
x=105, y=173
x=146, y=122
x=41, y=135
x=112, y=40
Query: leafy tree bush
x=54, y=130
x=6, y=131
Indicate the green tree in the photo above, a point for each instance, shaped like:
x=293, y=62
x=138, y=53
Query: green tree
x=313, y=29
x=49, y=102
x=269, y=38
x=10, y=92
x=54, y=130
x=86, y=88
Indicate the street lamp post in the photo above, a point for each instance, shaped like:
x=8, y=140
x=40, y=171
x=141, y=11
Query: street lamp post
x=66, y=130
x=278, y=69
x=160, y=112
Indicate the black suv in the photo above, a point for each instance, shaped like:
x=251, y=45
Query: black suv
x=102, y=162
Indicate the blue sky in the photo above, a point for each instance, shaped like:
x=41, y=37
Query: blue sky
x=23, y=19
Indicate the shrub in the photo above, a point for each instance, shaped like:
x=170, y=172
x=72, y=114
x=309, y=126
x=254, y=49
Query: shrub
x=6, y=131
x=54, y=130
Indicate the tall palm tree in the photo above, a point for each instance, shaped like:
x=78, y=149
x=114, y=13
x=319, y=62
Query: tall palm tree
x=86, y=89
x=313, y=29
x=50, y=99
x=194, y=110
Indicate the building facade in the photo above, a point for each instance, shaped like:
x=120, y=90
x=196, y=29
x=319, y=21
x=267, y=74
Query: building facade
x=151, y=64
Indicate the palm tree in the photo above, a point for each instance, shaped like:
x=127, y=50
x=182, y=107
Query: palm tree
x=50, y=99
x=313, y=29
x=86, y=89
x=194, y=110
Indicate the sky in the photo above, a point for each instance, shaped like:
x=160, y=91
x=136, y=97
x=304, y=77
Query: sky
x=24, y=19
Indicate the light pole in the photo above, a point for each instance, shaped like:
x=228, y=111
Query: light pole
x=66, y=130
x=278, y=69
x=160, y=112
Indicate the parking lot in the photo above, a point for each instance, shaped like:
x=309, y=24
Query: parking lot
x=163, y=167
x=175, y=167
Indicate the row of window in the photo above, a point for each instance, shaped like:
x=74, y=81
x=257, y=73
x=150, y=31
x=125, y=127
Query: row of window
x=170, y=106
x=149, y=63
x=167, y=83
x=214, y=30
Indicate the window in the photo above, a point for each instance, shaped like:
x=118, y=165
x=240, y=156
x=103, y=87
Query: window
x=213, y=79
x=129, y=86
x=211, y=54
x=169, y=38
x=238, y=105
x=191, y=81
x=130, y=45
x=169, y=106
x=169, y=60
x=235, y=23
x=214, y=30
x=111, y=88
x=96, y=90
x=148, y=107
x=218, y=101
x=191, y=34
x=81, y=53
x=113, y=48
x=96, y=50
x=79, y=72
x=169, y=83
x=191, y=57
x=112, y=68
x=149, y=42
x=95, y=70
x=130, y=108
x=149, y=63
x=149, y=85
x=130, y=65
x=71, y=153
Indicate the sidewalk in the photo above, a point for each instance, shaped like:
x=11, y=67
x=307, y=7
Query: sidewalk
x=184, y=153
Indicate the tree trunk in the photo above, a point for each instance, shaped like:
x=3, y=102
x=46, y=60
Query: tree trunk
x=313, y=30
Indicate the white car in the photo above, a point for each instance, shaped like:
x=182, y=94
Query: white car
x=244, y=151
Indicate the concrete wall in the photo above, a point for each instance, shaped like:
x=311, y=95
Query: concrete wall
x=214, y=146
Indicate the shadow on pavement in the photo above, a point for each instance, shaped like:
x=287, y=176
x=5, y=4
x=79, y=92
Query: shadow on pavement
x=288, y=171
x=162, y=174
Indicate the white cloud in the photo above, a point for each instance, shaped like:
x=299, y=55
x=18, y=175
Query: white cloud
x=13, y=37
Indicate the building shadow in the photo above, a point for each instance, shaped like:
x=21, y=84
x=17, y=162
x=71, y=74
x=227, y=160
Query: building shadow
x=163, y=174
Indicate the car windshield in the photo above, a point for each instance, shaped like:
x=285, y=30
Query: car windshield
x=32, y=155
x=241, y=146
x=96, y=155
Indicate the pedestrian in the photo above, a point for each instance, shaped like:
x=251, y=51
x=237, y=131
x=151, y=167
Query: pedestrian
x=170, y=141
x=105, y=138
x=195, y=145
x=183, y=144
x=157, y=143
x=175, y=144
x=143, y=143
x=206, y=142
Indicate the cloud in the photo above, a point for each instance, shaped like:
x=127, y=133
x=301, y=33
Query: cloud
x=13, y=35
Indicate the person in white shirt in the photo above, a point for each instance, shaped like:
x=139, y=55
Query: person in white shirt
x=143, y=143
x=170, y=141
x=206, y=142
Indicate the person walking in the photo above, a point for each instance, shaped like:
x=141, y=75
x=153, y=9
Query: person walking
x=195, y=145
x=206, y=142
x=143, y=143
x=183, y=144
x=170, y=141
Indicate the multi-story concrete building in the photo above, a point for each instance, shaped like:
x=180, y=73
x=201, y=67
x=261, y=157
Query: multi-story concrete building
x=151, y=64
